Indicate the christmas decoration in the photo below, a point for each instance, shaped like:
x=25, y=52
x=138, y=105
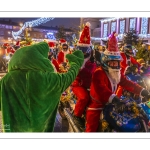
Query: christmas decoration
x=130, y=37
x=61, y=33
x=85, y=39
x=30, y=24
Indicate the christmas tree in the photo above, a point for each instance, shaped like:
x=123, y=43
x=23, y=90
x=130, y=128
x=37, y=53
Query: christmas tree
x=130, y=37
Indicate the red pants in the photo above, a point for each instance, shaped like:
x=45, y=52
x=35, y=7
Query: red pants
x=82, y=100
x=92, y=120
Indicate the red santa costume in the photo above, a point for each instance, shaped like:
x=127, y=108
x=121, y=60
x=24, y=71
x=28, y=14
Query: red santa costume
x=81, y=85
x=103, y=88
x=62, y=54
x=124, y=65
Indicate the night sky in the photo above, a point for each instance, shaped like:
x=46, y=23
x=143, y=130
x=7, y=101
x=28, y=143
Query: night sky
x=67, y=22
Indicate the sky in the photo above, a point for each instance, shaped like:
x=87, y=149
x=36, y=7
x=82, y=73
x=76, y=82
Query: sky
x=67, y=22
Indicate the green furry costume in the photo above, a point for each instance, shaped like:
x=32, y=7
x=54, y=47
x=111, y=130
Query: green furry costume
x=31, y=90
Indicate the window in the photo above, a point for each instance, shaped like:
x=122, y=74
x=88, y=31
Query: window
x=113, y=26
x=2, y=26
x=34, y=35
x=144, y=26
x=132, y=23
x=8, y=27
x=105, y=31
x=122, y=26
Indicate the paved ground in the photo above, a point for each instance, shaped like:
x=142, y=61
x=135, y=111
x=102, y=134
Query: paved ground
x=60, y=124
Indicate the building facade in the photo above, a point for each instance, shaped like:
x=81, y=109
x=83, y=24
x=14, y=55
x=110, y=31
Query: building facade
x=105, y=26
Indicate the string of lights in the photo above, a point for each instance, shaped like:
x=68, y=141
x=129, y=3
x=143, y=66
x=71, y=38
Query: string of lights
x=30, y=24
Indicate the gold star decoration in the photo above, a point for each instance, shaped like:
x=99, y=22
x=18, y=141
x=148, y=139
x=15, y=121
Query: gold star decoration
x=85, y=39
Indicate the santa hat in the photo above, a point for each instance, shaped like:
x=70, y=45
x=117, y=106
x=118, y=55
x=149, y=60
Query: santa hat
x=51, y=44
x=62, y=41
x=18, y=43
x=85, y=39
x=6, y=45
x=112, y=45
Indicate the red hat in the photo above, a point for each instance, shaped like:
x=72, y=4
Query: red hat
x=62, y=41
x=112, y=45
x=51, y=44
x=6, y=44
x=18, y=43
x=85, y=39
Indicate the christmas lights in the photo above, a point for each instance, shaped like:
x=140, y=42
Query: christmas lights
x=120, y=36
x=108, y=20
x=30, y=24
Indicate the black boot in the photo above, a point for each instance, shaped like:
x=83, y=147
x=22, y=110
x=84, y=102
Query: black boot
x=80, y=122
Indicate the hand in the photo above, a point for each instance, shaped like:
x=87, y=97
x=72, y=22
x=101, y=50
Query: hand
x=64, y=64
x=146, y=95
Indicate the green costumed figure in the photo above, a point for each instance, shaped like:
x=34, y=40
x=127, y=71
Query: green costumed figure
x=31, y=90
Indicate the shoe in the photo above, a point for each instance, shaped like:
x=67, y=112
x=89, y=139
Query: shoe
x=80, y=122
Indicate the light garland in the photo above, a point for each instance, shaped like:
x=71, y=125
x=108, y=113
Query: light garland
x=120, y=36
x=112, y=19
x=108, y=20
x=30, y=24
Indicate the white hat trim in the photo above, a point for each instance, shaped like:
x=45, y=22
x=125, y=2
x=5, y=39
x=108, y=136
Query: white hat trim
x=106, y=52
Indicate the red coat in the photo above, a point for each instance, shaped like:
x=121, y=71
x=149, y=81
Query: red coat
x=124, y=63
x=80, y=86
x=101, y=88
x=55, y=63
x=10, y=50
x=61, y=57
x=85, y=75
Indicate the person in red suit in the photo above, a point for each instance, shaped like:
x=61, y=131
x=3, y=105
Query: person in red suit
x=127, y=60
x=51, y=57
x=104, y=83
x=81, y=85
x=61, y=57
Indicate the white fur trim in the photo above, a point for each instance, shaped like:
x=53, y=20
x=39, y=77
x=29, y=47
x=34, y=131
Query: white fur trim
x=83, y=45
x=141, y=92
x=52, y=41
x=126, y=69
x=88, y=24
x=106, y=52
x=111, y=98
x=63, y=42
x=115, y=34
x=113, y=86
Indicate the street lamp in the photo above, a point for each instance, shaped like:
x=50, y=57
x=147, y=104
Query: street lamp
x=21, y=24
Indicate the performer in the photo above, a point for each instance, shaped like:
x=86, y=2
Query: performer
x=104, y=84
x=127, y=60
x=51, y=56
x=31, y=90
x=81, y=85
x=61, y=58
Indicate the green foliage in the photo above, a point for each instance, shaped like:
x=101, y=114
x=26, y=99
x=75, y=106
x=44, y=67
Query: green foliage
x=142, y=51
x=130, y=37
x=61, y=34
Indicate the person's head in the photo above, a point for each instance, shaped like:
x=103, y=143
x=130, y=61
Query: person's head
x=128, y=50
x=86, y=51
x=65, y=47
x=110, y=59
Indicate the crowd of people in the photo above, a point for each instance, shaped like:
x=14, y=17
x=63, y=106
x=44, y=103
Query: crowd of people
x=38, y=74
